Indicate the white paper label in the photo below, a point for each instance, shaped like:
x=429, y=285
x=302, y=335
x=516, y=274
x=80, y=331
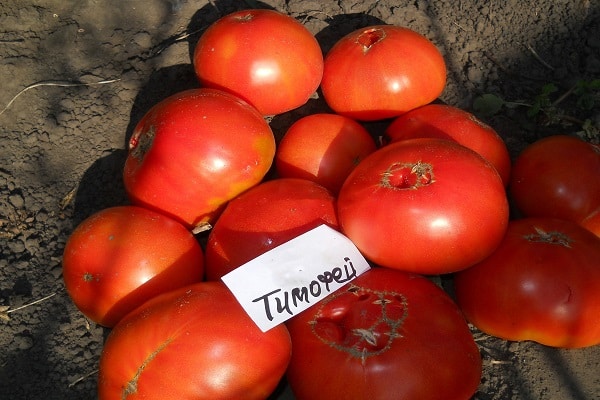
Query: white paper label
x=288, y=279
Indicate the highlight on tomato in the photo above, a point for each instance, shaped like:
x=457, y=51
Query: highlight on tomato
x=264, y=217
x=324, y=148
x=452, y=123
x=194, y=151
x=193, y=343
x=540, y=284
x=382, y=71
x=122, y=256
x=424, y=205
x=388, y=334
x=263, y=56
x=557, y=176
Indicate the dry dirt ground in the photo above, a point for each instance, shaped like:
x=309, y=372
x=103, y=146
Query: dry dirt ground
x=62, y=146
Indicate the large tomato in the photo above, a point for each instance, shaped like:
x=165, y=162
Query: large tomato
x=386, y=335
x=122, y=256
x=424, y=205
x=194, y=151
x=541, y=284
x=263, y=217
x=381, y=72
x=557, y=176
x=447, y=122
x=323, y=148
x=194, y=343
x=263, y=56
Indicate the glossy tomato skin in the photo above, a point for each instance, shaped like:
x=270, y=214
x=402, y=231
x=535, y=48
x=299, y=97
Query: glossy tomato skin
x=323, y=148
x=541, y=284
x=557, y=176
x=448, y=122
x=263, y=56
x=386, y=335
x=122, y=256
x=194, y=151
x=264, y=217
x=382, y=71
x=424, y=205
x=194, y=343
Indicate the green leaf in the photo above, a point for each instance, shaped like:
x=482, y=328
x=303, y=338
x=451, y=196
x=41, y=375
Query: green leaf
x=487, y=104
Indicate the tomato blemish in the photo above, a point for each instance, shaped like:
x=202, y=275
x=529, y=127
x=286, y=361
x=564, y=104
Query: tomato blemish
x=541, y=236
x=362, y=327
x=131, y=386
x=141, y=142
x=370, y=37
x=401, y=176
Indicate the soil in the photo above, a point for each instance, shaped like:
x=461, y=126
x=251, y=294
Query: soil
x=62, y=146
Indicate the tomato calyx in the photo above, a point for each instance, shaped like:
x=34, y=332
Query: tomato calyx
x=141, y=142
x=360, y=321
x=370, y=37
x=541, y=236
x=401, y=176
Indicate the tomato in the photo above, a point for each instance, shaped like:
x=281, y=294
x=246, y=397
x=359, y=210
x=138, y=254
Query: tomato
x=122, y=256
x=382, y=71
x=592, y=222
x=323, y=148
x=386, y=335
x=192, y=343
x=447, y=122
x=264, y=217
x=557, y=176
x=263, y=56
x=541, y=284
x=194, y=151
x=424, y=205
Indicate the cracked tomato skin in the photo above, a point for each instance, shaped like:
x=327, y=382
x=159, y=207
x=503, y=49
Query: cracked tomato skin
x=386, y=335
x=424, y=205
x=540, y=284
x=194, y=151
x=194, y=343
x=122, y=256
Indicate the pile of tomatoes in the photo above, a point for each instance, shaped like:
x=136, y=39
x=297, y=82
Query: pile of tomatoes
x=430, y=199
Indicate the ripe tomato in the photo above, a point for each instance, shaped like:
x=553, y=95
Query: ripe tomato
x=424, y=205
x=541, y=284
x=323, y=148
x=557, y=176
x=447, y=122
x=192, y=343
x=381, y=72
x=122, y=256
x=264, y=217
x=263, y=56
x=386, y=335
x=194, y=151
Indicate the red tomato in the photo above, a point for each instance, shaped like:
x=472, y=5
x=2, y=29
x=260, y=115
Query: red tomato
x=424, y=205
x=386, y=335
x=381, y=72
x=558, y=176
x=122, y=256
x=323, y=148
x=194, y=151
x=541, y=284
x=264, y=217
x=592, y=222
x=447, y=122
x=263, y=56
x=194, y=343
